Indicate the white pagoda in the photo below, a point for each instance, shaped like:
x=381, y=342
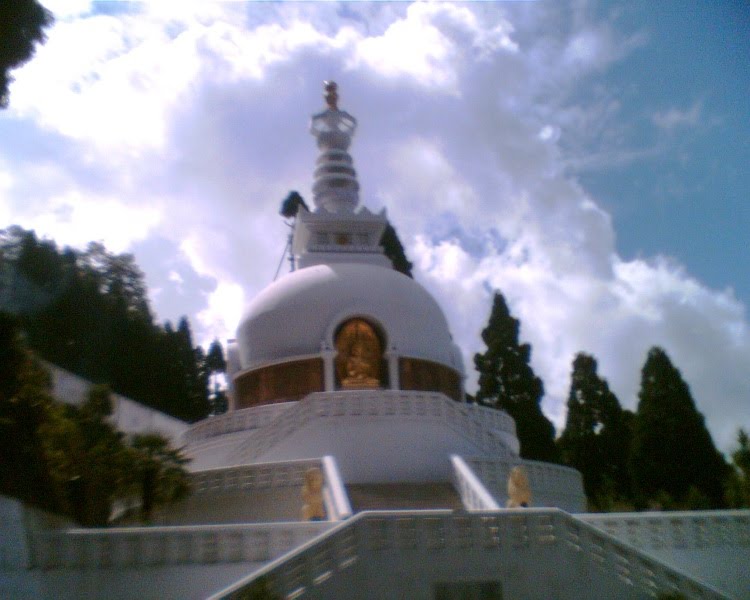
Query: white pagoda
x=349, y=464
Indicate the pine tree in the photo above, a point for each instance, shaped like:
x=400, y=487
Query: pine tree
x=673, y=455
x=507, y=382
x=596, y=438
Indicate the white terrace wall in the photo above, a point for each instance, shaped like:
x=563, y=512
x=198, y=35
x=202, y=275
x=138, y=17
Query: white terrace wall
x=551, y=485
x=266, y=492
x=128, y=415
x=377, y=436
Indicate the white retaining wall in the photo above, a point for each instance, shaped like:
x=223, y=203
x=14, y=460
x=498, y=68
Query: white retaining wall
x=128, y=415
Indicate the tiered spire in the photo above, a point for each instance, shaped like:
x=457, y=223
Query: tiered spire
x=336, y=188
x=339, y=230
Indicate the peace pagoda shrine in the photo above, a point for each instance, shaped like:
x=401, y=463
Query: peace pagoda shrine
x=349, y=464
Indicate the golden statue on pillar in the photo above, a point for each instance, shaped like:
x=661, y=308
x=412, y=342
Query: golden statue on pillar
x=312, y=494
x=519, y=490
x=358, y=363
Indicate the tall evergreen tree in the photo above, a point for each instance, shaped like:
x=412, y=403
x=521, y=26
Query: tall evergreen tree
x=672, y=451
x=507, y=381
x=596, y=439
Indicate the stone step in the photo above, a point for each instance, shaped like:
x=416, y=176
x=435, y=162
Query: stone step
x=403, y=496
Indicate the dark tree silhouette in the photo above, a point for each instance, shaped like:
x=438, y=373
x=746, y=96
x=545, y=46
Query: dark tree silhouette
x=596, y=439
x=394, y=250
x=22, y=24
x=507, y=381
x=291, y=205
x=673, y=455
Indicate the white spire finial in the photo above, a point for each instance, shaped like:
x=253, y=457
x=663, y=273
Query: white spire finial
x=336, y=187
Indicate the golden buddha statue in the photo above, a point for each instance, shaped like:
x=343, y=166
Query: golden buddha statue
x=359, y=356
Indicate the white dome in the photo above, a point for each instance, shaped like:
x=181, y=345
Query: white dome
x=296, y=314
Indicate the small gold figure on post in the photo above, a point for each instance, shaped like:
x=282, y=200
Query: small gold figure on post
x=312, y=494
x=519, y=490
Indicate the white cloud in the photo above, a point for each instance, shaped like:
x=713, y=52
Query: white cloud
x=72, y=219
x=196, y=119
x=673, y=118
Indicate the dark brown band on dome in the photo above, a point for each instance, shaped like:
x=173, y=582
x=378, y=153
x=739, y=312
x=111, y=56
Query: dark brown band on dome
x=427, y=376
x=279, y=383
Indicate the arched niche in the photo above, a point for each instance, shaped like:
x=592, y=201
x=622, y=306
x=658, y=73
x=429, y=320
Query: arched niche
x=359, y=360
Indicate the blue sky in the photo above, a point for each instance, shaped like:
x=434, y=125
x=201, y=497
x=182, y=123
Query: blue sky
x=689, y=200
x=587, y=159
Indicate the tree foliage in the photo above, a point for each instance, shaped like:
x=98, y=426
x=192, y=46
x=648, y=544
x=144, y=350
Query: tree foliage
x=738, y=483
x=291, y=205
x=394, y=250
x=88, y=457
x=507, y=382
x=25, y=406
x=596, y=438
x=160, y=470
x=88, y=312
x=22, y=24
x=70, y=459
x=673, y=457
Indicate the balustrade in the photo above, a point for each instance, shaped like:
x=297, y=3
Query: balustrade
x=683, y=530
x=526, y=532
x=461, y=418
x=162, y=546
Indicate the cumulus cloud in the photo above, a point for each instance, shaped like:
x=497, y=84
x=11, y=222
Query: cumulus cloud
x=190, y=128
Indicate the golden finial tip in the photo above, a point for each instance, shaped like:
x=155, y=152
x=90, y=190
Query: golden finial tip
x=331, y=96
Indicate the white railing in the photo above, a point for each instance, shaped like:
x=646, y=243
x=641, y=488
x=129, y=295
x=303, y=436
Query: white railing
x=236, y=420
x=276, y=475
x=161, y=546
x=590, y=559
x=247, y=477
x=497, y=419
x=472, y=492
x=395, y=404
x=551, y=484
x=683, y=530
x=338, y=506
